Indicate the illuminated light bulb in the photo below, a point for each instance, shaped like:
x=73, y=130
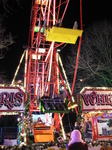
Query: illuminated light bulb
x=72, y=106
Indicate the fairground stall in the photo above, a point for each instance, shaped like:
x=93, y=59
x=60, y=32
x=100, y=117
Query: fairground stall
x=12, y=105
x=97, y=114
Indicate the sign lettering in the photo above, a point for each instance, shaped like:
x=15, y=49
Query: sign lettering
x=96, y=99
x=11, y=99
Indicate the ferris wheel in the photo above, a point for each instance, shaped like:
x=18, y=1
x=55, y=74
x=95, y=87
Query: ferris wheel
x=46, y=35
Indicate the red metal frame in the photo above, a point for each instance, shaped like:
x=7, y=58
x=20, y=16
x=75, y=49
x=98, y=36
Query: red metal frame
x=78, y=52
x=38, y=71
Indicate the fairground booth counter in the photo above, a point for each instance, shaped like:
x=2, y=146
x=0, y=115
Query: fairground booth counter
x=12, y=106
x=96, y=103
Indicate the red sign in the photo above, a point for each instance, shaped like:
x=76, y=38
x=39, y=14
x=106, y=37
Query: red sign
x=11, y=99
x=96, y=99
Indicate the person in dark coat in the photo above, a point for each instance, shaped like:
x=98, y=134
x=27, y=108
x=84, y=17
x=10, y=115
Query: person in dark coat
x=76, y=142
x=88, y=128
x=76, y=126
x=45, y=96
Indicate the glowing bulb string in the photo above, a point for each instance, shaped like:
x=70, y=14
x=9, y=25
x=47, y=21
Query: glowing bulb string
x=67, y=82
x=63, y=131
x=50, y=64
x=18, y=67
x=64, y=73
x=25, y=71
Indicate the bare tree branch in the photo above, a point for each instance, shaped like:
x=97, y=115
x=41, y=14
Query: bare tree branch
x=95, y=61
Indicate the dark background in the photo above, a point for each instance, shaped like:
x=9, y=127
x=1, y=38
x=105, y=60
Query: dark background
x=17, y=22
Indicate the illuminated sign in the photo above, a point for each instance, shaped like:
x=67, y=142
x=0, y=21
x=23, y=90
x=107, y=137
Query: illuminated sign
x=96, y=99
x=11, y=99
x=41, y=1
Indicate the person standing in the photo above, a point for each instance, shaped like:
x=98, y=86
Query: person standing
x=88, y=129
x=76, y=126
x=76, y=142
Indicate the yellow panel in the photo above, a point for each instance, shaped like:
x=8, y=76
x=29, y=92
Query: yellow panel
x=64, y=35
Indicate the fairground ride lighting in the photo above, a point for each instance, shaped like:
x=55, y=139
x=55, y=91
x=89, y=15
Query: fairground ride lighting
x=34, y=56
x=2, y=85
x=67, y=83
x=8, y=113
x=63, y=131
x=41, y=50
x=72, y=106
x=81, y=80
x=58, y=50
x=23, y=134
x=18, y=119
x=51, y=47
x=36, y=29
x=95, y=112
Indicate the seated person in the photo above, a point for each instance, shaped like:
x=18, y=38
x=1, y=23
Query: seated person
x=45, y=101
x=58, y=102
x=56, y=96
x=45, y=96
x=39, y=121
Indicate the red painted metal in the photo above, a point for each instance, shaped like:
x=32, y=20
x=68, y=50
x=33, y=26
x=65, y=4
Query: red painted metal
x=78, y=52
x=38, y=70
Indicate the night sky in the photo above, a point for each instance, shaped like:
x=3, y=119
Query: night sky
x=17, y=23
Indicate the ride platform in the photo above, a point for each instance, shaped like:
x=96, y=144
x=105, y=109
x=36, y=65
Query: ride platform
x=63, y=35
x=53, y=106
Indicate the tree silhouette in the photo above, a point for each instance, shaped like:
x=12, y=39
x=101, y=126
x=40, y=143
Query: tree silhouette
x=7, y=9
x=95, y=62
x=6, y=38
